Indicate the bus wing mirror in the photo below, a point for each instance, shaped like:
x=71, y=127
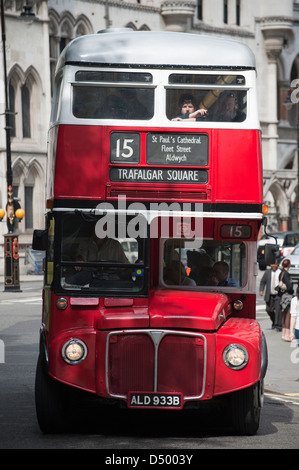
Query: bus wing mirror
x=271, y=253
x=40, y=240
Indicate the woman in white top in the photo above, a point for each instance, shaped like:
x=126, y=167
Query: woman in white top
x=294, y=311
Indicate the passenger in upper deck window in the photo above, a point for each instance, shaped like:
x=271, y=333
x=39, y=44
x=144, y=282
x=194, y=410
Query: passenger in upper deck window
x=228, y=109
x=187, y=109
x=113, y=108
x=134, y=108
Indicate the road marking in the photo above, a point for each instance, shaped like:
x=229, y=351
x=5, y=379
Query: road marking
x=260, y=307
x=292, y=398
x=17, y=301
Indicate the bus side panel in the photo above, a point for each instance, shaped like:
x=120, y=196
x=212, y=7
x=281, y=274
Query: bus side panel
x=249, y=305
x=237, y=175
x=81, y=166
x=244, y=332
x=80, y=375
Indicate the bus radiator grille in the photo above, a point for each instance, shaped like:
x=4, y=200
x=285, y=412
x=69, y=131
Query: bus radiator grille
x=144, y=362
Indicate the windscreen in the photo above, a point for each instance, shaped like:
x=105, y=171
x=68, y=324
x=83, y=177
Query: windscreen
x=93, y=261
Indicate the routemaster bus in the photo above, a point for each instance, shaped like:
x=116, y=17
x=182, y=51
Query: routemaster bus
x=154, y=204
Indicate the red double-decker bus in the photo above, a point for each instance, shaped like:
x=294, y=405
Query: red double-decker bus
x=154, y=207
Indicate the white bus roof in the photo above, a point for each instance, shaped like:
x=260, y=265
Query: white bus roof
x=156, y=48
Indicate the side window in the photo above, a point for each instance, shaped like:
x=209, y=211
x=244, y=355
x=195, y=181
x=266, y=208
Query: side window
x=291, y=240
x=211, y=263
x=56, y=98
x=50, y=252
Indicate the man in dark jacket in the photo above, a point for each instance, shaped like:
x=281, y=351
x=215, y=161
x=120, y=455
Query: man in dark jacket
x=268, y=283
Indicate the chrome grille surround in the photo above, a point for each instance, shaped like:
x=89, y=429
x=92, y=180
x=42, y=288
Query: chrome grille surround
x=156, y=336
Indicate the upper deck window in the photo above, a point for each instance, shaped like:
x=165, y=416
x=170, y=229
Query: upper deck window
x=113, y=102
x=200, y=79
x=104, y=76
x=201, y=97
x=106, y=95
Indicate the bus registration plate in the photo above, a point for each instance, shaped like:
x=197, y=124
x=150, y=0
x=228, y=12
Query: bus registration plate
x=155, y=400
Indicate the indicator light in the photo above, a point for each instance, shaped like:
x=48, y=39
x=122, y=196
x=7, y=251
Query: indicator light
x=61, y=303
x=238, y=305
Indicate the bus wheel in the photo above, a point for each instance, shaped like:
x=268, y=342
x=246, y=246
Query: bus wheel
x=49, y=400
x=246, y=408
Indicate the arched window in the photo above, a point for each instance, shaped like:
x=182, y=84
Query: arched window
x=61, y=33
x=25, y=94
x=12, y=121
x=29, y=189
x=199, y=9
x=225, y=11
x=238, y=12
x=63, y=28
x=19, y=103
x=29, y=183
x=24, y=90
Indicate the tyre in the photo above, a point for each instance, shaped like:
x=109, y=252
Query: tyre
x=50, y=400
x=246, y=408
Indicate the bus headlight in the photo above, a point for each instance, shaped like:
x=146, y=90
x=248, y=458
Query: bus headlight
x=74, y=351
x=235, y=356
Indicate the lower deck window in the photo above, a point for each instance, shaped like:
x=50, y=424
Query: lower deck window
x=207, y=263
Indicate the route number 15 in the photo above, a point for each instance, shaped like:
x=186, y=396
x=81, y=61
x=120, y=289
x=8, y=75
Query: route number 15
x=126, y=151
x=235, y=231
x=125, y=147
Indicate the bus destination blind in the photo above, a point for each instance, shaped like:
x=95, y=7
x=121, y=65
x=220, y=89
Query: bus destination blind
x=177, y=149
x=158, y=175
x=170, y=150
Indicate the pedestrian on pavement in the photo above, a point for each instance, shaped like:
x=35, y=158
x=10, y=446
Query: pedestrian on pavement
x=294, y=312
x=285, y=299
x=268, y=283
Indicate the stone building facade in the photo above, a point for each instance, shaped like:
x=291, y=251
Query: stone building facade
x=269, y=27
